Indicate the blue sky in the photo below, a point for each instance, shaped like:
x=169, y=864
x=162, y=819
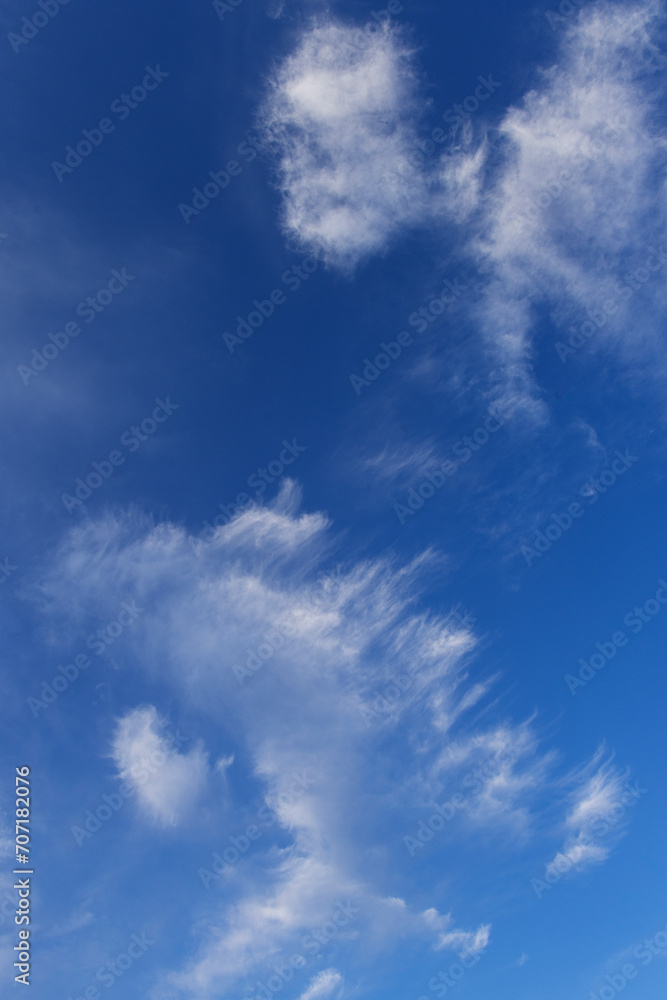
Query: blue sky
x=333, y=567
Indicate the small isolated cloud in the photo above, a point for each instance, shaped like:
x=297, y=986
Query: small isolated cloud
x=403, y=462
x=598, y=807
x=167, y=783
x=322, y=985
x=224, y=763
x=341, y=117
x=453, y=939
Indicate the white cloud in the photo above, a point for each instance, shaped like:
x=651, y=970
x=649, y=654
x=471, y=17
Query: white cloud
x=579, y=195
x=578, y=854
x=339, y=644
x=462, y=942
x=303, y=895
x=461, y=174
x=224, y=763
x=341, y=115
x=322, y=985
x=339, y=662
x=406, y=461
x=167, y=783
x=599, y=792
x=502, y=771
x=570, y=199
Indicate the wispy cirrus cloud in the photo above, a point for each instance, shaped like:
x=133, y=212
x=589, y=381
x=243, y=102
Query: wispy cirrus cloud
x=208, y=606
x=300, y=709
x=322, y=985
x=456, y=940
x=575, y=199
x=598, y=791
x=503, y=772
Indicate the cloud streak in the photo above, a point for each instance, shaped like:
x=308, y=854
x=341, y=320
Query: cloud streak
x=599, y=791
x=577, y=193
x=304, y=710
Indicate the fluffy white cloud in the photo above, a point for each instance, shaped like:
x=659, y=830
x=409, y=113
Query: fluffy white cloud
x=167, y=783
x=342, y=115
